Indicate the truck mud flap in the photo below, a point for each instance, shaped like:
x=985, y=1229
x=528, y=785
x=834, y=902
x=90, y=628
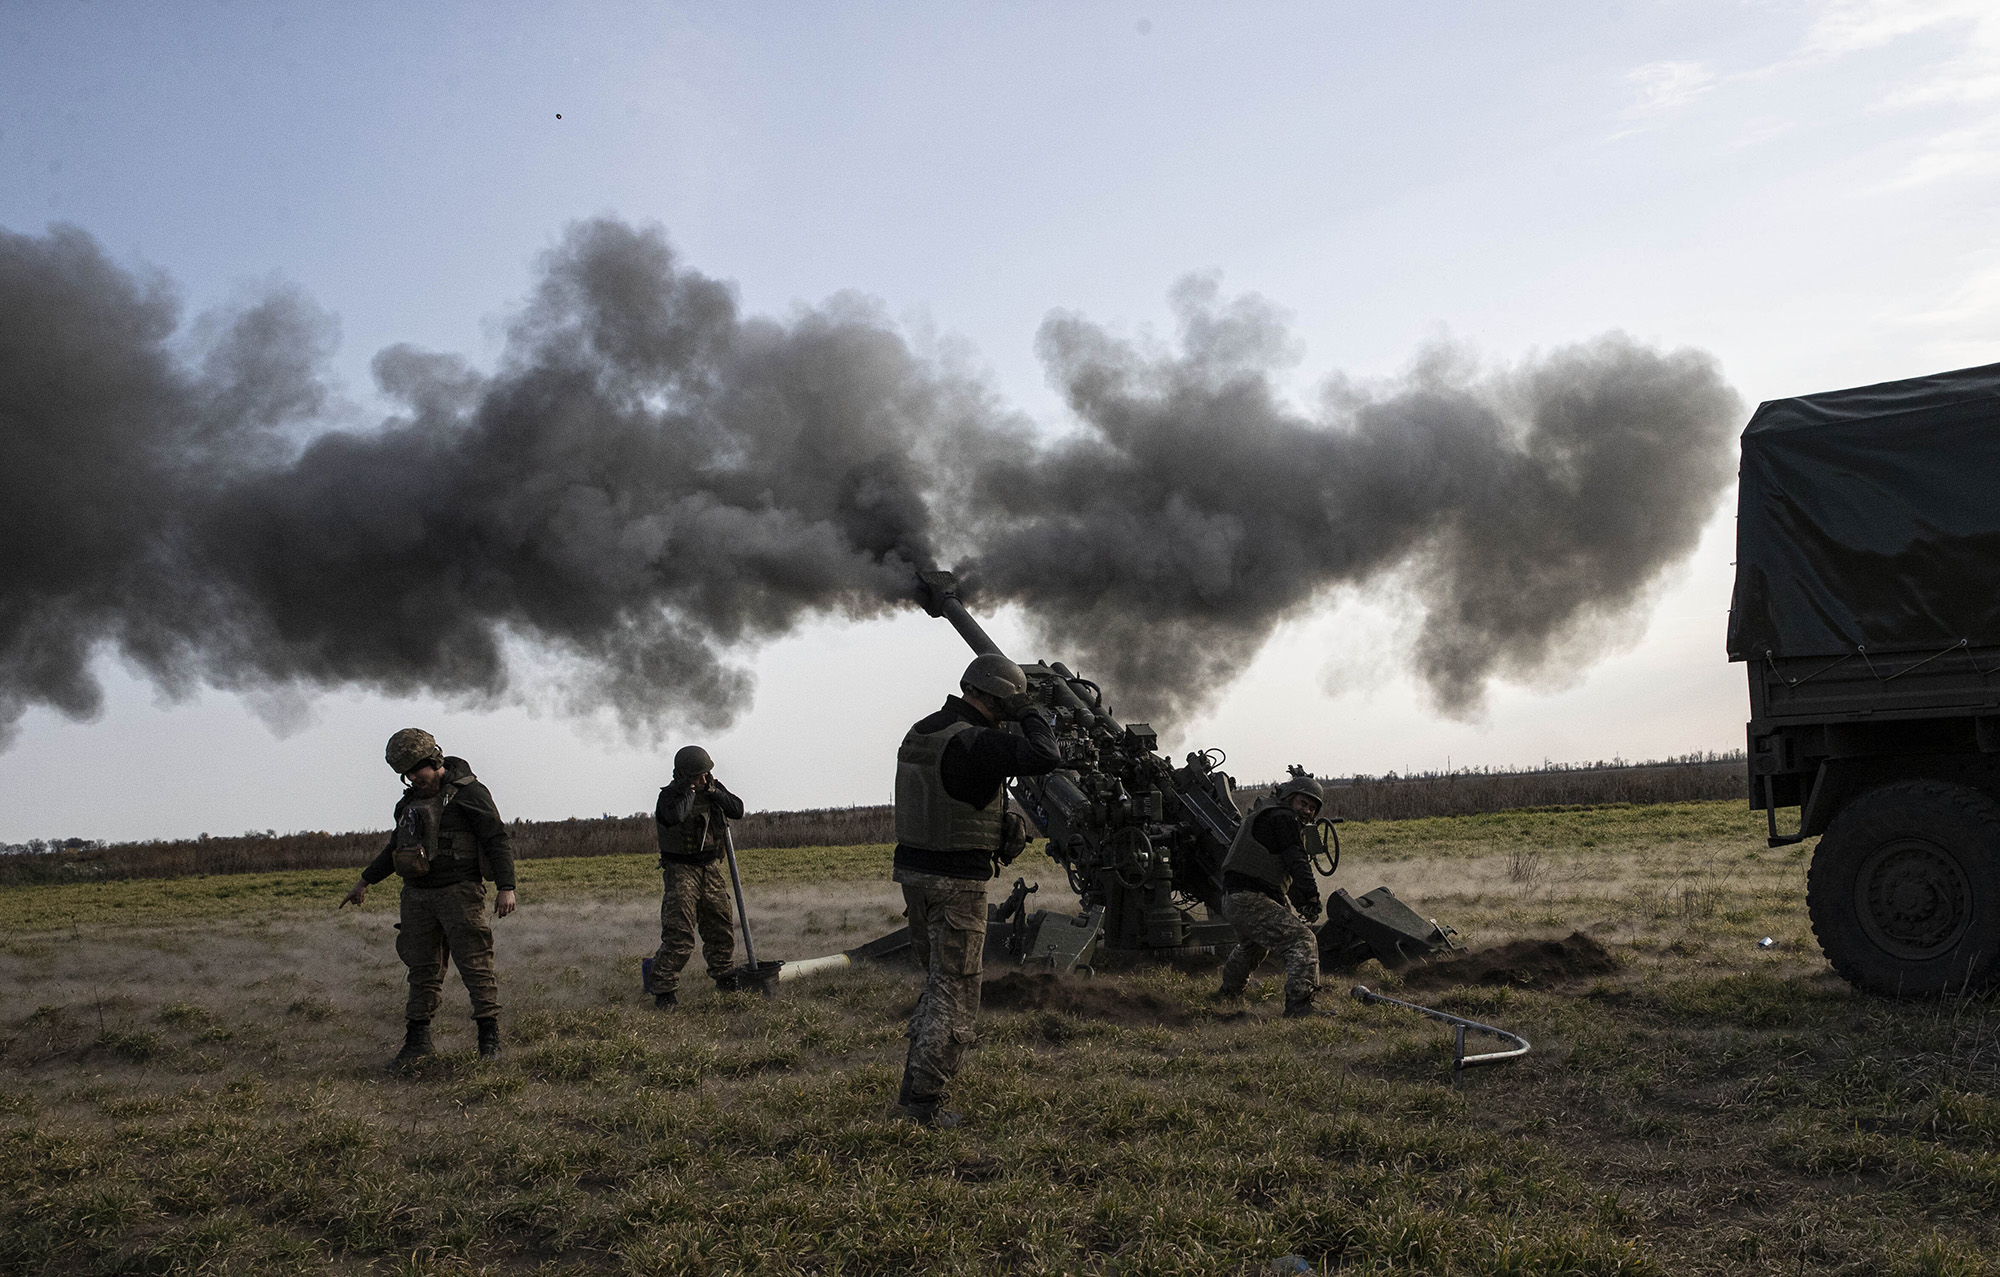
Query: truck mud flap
x=1808, y=809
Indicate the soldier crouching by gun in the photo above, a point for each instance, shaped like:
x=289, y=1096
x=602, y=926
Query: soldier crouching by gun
x=951, y=826
x=691, y=820
x=448, y=840
x=1266, y=863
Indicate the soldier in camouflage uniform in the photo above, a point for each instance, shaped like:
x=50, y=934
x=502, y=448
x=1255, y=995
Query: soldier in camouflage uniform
x=691, y=819
x=951, y=827
x=1270, y=895
x=448, y=842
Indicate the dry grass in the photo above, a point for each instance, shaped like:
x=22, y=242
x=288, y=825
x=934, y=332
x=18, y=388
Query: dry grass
x=204, y=1094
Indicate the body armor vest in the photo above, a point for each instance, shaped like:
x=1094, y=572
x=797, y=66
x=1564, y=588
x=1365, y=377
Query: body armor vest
x=1252, y=858
x=694, y=830
x=928, y=818
x=421, y=840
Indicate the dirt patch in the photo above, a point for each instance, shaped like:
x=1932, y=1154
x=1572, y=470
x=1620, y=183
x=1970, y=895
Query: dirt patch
x=1527, y=964
x=1090, y=999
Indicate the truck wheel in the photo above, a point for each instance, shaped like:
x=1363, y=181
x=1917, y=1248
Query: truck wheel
x=1904, y=890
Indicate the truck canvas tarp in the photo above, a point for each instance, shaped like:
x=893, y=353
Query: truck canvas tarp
x=1869, y=519
x=1867, y=616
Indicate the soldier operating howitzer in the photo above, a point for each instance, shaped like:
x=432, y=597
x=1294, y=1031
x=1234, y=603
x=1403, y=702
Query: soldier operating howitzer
x=1147, y=846
x=952, y=828
x=1140, y=841
x=1271, y=895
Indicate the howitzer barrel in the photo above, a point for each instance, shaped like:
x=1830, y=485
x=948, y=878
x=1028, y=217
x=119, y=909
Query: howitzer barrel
x=968, y=629
x=938, y=592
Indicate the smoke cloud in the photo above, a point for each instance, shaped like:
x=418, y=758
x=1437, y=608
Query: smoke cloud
x=1528, y=510
x=651, y=482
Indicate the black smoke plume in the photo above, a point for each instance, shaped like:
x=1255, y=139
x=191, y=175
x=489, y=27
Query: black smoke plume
x=650, y=482
x=1531, y=509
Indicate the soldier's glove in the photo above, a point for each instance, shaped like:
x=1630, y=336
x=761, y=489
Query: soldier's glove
x=1014, y=836
x=1309, y=908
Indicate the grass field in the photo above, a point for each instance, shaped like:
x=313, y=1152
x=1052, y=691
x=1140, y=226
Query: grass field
x=190, y=1081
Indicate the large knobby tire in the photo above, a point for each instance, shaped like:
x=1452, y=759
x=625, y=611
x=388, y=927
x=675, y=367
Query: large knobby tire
x=1904, y=891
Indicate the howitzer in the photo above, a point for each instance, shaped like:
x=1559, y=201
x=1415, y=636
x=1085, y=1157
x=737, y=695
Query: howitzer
x=1143, y=841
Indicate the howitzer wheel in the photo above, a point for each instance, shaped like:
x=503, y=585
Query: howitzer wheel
x=1904, y=890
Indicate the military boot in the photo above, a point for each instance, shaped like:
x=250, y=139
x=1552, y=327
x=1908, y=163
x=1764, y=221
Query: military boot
x=489, y=1038
x=1300, y=1007
x=1227, y=996
x=929, y=1110
x=666, y=1001
x=416, y=1044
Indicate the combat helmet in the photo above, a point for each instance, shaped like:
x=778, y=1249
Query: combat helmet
x=411, y=748
x=994, y=675
x=1301, y=783
x=692, y=761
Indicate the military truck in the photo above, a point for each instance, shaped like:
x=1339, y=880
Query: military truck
x=1867, y=613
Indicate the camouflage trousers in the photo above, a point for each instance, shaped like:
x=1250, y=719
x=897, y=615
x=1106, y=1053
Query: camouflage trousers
x=694, y=898
x=1264, y=927
x=948, y=938
x=447, y=922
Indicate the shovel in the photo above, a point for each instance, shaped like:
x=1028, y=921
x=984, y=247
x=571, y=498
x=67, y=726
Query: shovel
x=761, y=976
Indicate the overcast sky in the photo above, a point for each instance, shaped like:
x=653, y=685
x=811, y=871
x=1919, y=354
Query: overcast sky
x=1805, y=190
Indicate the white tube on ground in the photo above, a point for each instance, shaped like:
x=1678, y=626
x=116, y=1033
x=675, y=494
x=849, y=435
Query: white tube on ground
x=797, y=967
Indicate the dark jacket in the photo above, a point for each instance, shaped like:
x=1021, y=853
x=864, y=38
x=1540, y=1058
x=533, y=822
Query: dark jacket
x=676, y=805
x=974, y=766
x=1278, y=829
x=468, y=806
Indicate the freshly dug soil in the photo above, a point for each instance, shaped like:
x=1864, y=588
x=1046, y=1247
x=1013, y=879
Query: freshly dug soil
x=1092, y=999
x=1526, y=964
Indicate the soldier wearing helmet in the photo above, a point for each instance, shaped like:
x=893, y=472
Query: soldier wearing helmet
x=1270, y=894
x=448, y=842
x=691, y=819
x=951, y=828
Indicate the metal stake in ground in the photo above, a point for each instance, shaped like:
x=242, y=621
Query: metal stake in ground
x=1460, y=1061
x=762, y=976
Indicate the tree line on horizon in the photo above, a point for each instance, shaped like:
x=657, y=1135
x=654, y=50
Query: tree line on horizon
x=1458, y=792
